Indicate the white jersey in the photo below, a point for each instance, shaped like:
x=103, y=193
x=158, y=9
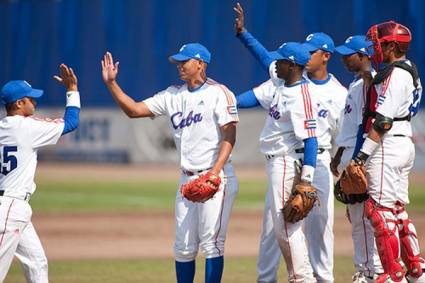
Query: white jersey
x=195, y=120
x=330, y=96
x=353, y=114
x=291, y=119
x=397, y=98
x=20, y=139
x=265, y=92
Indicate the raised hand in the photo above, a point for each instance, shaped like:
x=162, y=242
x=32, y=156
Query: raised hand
x=109, y=69
x=67, y=78
x=239, y=21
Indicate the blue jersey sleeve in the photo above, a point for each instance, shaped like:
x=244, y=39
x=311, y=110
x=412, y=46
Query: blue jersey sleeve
x=256, y=48
x=71, y=119
x=310, y=151
x=359, y=141
x=247, y=99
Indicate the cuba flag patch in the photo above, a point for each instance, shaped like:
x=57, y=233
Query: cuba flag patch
x=232, y=110
x=310, y=124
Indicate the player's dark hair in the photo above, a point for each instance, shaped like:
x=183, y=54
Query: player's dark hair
x=10, y=107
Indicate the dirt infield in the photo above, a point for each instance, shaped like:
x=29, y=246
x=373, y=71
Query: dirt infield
x=144, y=235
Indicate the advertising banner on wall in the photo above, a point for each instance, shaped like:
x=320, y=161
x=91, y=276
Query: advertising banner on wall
x=107, y=135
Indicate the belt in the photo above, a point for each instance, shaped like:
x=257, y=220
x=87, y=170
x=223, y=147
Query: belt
x=193, y=173
x=320, y=150
x=399, y=135
x=26, y=198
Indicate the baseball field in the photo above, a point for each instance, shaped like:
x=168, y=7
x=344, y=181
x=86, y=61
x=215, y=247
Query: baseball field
x=116, y=224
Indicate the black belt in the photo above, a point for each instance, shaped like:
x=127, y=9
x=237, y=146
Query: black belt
x=399, y=135
x=320, y=150
x=193, y=173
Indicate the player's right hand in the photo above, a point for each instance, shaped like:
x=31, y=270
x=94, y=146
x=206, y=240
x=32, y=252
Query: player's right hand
x=67, y=78
x=109, y=69
x=239, y=21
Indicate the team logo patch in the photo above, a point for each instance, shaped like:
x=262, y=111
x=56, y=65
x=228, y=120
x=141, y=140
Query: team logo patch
x=310, y=124
x=232, y=110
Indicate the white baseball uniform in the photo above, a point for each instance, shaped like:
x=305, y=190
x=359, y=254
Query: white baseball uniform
x=395, y=97
x=291, y=119
x=366, y=259
x=388, y=167
x=20, y=139
x=318, y=226
x=195, y=120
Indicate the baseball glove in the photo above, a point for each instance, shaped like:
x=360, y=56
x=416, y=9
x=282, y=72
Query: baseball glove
x=348, y=199
x=353, y=179
x=202, y=188
x=300, y=202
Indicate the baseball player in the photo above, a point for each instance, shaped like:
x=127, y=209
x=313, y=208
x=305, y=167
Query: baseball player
x=330, y=96
x=21, y=135
x=290, y=126
x=356, y=57
x=202, y=117
x=392, y=101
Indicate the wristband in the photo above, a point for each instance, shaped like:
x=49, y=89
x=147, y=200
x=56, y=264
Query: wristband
x=73, y=99
x=307, y=173
x=369, y=146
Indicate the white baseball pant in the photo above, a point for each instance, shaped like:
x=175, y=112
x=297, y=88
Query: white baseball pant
x=204, y=225
x=321, y=223
x=18, y=237
x=366, y=258
x=290, y=236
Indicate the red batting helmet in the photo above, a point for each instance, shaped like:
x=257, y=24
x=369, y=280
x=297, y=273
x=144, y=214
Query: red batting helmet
x=388, y=32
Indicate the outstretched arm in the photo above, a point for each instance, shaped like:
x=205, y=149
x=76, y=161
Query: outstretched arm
x=247, y=99
x=254, y=46
x=72, y=111
x=130, y=107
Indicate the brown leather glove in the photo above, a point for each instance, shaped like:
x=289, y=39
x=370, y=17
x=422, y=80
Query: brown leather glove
x=353, y=179
x=300, y=202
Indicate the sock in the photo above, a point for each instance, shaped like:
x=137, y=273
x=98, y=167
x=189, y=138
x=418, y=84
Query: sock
x=185, y=271
x=214, y=269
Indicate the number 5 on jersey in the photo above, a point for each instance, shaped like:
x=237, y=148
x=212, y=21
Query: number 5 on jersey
x=8, y=159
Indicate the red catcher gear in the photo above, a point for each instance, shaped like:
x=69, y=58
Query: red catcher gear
x=384, y=224
x=409, y=243
x=388, y=32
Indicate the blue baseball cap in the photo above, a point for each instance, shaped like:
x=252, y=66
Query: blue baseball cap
x=191, y=51
x=319, y=40
x=292, y=51
x=15, y=90
x=355, y=44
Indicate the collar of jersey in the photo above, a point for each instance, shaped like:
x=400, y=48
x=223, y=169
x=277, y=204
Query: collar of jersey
x=196, y=88
x=321, y=82
x=303, y=81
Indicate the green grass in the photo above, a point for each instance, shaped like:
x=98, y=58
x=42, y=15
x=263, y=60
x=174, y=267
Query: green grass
x=237, y=270
x=90, y=196
x=104, y=196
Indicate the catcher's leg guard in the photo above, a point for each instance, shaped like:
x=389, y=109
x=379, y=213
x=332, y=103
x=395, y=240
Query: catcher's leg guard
x=409, y=244
x=385, y=230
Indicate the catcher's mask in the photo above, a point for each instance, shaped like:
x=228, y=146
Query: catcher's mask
x=388, y=32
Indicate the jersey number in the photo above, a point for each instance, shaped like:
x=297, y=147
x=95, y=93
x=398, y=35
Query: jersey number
x=8, y=160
